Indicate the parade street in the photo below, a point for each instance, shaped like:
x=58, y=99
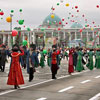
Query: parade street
x=79, y=86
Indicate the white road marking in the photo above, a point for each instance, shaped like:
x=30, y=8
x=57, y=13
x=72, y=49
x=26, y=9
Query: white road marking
x=3, y=93
x=66, y=89
x=7, y=92
x=83, y=82
x=41, y=99
x=97, y=76
x=96, y=97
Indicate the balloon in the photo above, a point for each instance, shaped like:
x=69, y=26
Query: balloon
x=97, y=6
x=77, y=10
x=93, y=22
x=59, y=29
x=42, y=29
x=20, y=10
x=59, y=22
x=21, y=22
x=52, y=16
x=83, y=15
x=1, y=13
x=66, y=23
x=81, y=30
x=92, y=29
x=26, y=38
x=28, y=29
x=58, y=4
x=62, y=19
x=12, y=11
x=24, y=42
x=49, y=23
x=45, y=51
x=14, y=33
x=9, y=19
x=68, y=17
x=76, y=7
x=67, y=4
x=2, y=30
x=72, y=15
x=1, y=18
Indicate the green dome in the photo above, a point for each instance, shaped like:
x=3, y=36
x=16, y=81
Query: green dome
x=76, y=25
x=52, y=22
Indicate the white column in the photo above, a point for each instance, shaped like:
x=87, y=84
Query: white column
x=4, y=38
x=9, y=40
x=64, y=35
x=33, y=38
x=14, y=38
x=75, y=35
x=69, y=36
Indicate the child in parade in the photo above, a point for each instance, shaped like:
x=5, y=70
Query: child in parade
x=32, y=59
x=15, y=76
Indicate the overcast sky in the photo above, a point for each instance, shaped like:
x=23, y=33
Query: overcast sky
x=35, y=11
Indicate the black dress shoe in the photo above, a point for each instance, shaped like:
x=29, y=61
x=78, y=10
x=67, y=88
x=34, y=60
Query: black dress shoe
x=18, y=86
x=15, y=87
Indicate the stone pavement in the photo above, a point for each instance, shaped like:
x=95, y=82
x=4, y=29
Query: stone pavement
x=41, y=74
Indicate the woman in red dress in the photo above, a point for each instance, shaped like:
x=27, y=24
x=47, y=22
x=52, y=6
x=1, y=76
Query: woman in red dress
x=70, y=67
x=15, y=76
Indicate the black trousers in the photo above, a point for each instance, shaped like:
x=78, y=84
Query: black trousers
x=31, y=74
x=2, y=66
x=54, y=69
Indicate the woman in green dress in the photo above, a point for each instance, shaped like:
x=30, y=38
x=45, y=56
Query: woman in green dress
x=42, y=59
x=90, y=63
x=79, y=66
x=97, y=61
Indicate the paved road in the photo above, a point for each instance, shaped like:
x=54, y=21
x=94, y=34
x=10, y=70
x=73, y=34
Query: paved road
x=79, y=86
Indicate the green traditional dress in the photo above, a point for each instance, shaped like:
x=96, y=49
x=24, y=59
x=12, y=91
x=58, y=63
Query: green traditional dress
x=90, y=63
x=49, y=59
x=79, y=66
x=97, y=62
x=66, y=54
x=42, y=60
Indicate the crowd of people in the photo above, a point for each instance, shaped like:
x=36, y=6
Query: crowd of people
x=28, y=58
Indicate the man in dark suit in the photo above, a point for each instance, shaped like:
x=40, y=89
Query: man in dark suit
x=3, y=55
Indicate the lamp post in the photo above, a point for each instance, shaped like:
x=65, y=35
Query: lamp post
x=11, y=15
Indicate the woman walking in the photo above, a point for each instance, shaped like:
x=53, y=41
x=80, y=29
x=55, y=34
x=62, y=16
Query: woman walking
x=15, y=76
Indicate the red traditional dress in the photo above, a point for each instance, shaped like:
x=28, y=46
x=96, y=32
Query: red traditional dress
x=15, y=75
x=54, y=65
x=70, y=67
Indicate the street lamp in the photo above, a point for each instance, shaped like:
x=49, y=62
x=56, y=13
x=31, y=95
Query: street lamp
x=11, y=15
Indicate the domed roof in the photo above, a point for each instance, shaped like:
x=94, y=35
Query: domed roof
x=52, y=22
x=76, y=25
